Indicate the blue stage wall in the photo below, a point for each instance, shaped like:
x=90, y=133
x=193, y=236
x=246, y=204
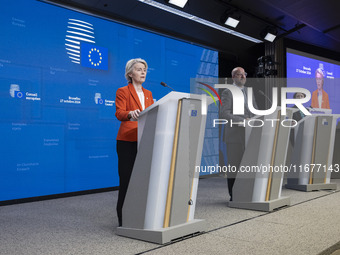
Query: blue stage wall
x=59, y=71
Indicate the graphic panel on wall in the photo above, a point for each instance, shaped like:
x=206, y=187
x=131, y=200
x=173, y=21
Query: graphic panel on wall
x=58, y=79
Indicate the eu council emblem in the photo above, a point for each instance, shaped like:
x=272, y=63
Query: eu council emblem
x=94, y=56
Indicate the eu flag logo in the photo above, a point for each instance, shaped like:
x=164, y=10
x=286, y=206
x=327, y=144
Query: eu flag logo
x=193, y=113
x=18, y=94
x=94, y=56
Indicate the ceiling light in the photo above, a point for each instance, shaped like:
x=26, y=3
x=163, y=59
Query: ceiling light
x=231, y=22
x=231, y=18
x=270, y=37
x=198, y=20
x=179, y=3
x=269, y=34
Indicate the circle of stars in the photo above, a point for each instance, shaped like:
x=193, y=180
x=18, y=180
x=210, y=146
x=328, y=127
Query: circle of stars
x=95, y=53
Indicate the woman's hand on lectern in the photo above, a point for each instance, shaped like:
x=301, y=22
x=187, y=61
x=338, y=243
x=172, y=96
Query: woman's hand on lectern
x=133, y=115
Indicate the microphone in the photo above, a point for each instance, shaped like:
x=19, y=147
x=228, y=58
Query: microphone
x=263, y=94
x=310, y=108
x=166, y=85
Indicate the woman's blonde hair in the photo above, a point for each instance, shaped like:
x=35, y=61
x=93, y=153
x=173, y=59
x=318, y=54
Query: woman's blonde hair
x=129, y=67
x=320, y=71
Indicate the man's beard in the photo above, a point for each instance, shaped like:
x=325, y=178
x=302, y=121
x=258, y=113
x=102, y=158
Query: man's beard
x=240, y=83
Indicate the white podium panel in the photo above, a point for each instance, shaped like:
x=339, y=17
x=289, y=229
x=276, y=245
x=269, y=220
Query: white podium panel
x=312, y=154
x=161, y=198
x=258, y=182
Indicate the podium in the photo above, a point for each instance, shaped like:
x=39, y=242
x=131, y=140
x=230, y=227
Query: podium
x=313, y=153
x=259, y=180
x=336, y=153
x=160, y=202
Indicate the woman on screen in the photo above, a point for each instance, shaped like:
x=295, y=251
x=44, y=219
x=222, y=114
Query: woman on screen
x=130, y=101
x=319, y=96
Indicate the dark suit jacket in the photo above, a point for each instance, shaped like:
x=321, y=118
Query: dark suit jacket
x=233, y=134
x=127, y=100
x=298, y=115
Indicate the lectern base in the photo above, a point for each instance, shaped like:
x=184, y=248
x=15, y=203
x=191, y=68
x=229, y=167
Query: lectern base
x=163, y=235
x=266, y=206
x=312, y=187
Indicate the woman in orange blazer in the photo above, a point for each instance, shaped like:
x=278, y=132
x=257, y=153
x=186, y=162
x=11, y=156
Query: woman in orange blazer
x=130, y=101
x=319, y=96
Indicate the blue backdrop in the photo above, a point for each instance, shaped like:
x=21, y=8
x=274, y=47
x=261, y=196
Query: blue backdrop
x=59, y=71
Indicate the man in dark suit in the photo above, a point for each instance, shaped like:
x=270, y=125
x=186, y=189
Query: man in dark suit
x=299, y=114
x=234, y=136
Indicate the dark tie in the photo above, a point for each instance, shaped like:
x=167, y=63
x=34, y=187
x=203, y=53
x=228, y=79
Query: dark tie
x=245, y=100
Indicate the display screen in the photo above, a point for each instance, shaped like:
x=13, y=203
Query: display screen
x=59, y=72
x=317, y=74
